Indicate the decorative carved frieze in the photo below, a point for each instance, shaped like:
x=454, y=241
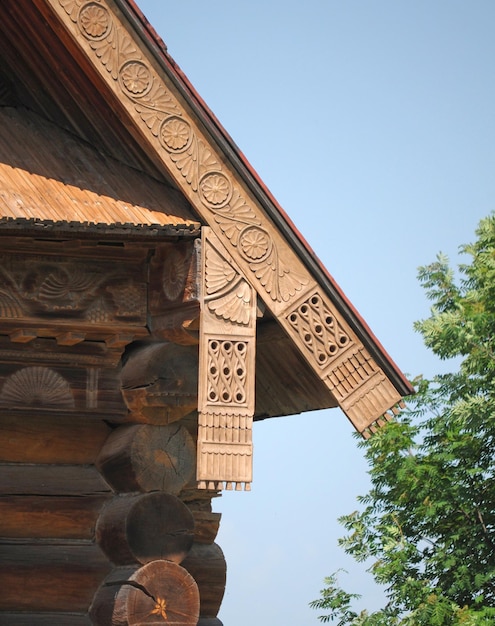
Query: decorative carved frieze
x=258, y=249
x=184, y=149
x=319, y=330
x=343, y=363
x=226, y=380
x=86, y=292
x=174, y=286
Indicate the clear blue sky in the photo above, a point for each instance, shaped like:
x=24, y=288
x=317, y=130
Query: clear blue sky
x=373, y=125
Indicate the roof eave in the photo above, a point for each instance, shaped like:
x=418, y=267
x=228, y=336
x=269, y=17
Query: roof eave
x=244, y=169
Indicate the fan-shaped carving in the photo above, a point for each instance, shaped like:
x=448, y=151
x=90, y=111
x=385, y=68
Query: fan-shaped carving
x=219, y=273
x=9, y=305
x=62, y=285
x=235, y=305
x=174, y=274
x=37, y=386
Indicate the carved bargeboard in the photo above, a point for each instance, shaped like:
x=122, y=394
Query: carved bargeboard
x=222, y=199
x=227, y=371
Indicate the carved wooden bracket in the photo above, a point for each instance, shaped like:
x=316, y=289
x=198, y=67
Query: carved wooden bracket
x=226, y=371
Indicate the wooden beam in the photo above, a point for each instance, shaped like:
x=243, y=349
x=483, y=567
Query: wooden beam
x=143, y=528
x=50, y=577
x=141, y=457
x=157, y=593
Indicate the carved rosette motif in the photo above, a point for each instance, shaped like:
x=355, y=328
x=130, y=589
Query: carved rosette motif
x=226, y=388
x=161, y=112
x=174, y=274
x=222, y=201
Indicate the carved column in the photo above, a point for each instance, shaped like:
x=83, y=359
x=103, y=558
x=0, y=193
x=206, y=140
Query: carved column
x=227, y=371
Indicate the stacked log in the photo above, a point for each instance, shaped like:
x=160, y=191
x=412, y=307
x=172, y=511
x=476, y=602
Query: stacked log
x=51, y=496
x=102, y=524
x=152, y=535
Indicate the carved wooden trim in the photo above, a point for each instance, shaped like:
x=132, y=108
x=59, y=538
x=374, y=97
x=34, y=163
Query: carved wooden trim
x=226, y=374
x=264, y=258
x=188, y=155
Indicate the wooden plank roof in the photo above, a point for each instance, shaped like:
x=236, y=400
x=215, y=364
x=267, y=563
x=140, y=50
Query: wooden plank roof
x=72, y=183
x=99, y=71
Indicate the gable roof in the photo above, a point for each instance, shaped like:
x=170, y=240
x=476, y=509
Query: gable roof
x=98, y=70
x=81, y=184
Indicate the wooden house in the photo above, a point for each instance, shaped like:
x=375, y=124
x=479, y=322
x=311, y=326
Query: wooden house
x=154, y=301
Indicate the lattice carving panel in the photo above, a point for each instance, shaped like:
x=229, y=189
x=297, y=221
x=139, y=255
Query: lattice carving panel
x=227, y=373
x=226, y=379
x=259, y=254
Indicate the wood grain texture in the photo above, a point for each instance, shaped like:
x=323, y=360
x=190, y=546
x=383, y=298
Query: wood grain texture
x=50, y=576
x=44, y=619
x=160, y=592
x=160, y=382
x=206, y=525
x=51, y=480
x=206, y=564
x=148, y=458
x=44, y=517
x=48, y=439
x=143, y=528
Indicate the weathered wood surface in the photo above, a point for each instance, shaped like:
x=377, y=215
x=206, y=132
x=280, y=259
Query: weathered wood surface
x=148, y=458
x=160, y=592
x=48, y=439
x=206, y=525
x=206, y=564
x=44, y=619
x=55, y=480
x=160, y=382
x=58, y=383
x=50, y=576
x=143, y=528
x=44, y=517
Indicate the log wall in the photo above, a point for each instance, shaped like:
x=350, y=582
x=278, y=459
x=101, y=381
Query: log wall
x=100, y=519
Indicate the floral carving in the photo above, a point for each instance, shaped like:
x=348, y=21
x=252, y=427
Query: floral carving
x=255, y=243
x=193, y=157
x=94, y=21
x=71, y=7
x=215, y=189
x=175, y=134
x=191, y=163
x=135, y=78
x=10, y=305
x=41, y=286
x=228, y=295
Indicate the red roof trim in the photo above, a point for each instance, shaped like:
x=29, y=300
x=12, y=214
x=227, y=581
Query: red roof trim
x=158, y=47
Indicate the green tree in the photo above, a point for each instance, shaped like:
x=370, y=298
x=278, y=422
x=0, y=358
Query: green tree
x=428, y=522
